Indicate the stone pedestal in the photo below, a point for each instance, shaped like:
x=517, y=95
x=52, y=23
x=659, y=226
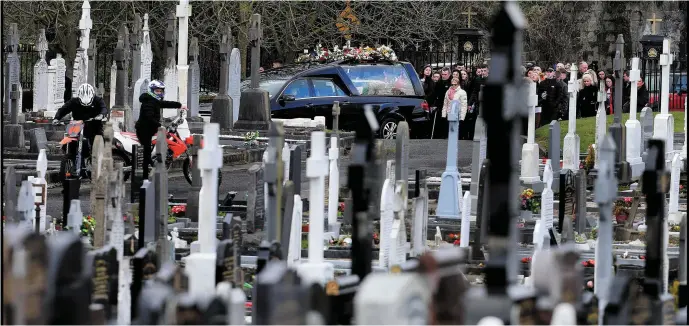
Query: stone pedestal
x=254, y=110
x=633, y=147
x=570, y=153
x=529, y=165
x=221, y=112
x=664, y=128
x=13, y=136
x=675, y=218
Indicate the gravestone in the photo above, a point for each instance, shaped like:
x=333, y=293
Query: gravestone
x=68, y=286
x=601, y=124
x=273, y=181
x=481, y=212
x=605, y=195
x=554, y=152
x=579, y=216
x=113, y=85
x=616, y=130
x=234, y=81
x=37, y=140
x=333, y=190
x=222, y=110
x=144, y=266
x=547, y=205
x=466, y=221
x=51, y=110
x=570, y=154
x=25, y=287
x=85, y=26
x=278, y=296
x=135, y=41
x=14, y=132
x=255, y=207
x=646, y=117
x=503, y=131
x=40, y=75
x=450, y=184
x=163, y=247
x=656, y=305
x=420, y=215
x=192, y=211
x=567, y=201
x=58, y=82
x=183, y=11
x=227, y=263
x=98, y=194
x=676, y=215
x=392, y=299
x=194, y=78
x=13, y=63
x=75, y=217
x=254, y=109
x=170, y=73
x=121, y=107
x=99, y=261
x=316, y=270
x=10, y=194
x=632, y=125
x=26, y=206
x=530, y=154
x=477, y=157
x=91, y=72
x=664, y=123
x=143, y=68
x=40, y=189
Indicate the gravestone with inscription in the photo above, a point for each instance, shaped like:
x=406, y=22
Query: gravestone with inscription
x=233, y=84
x=222, y=112
x=567, y=200
x=194, y=78
x=255, y=214
x=40, y=75
x=13, y=76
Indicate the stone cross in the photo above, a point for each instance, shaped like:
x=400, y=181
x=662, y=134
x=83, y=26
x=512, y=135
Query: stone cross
x=633, y=126
x=163, y=247
x=451, y=183
x=170, y=78
x=85, y=24
x=255, y=40
x=601, y=123
x=121, y=101
x=654, y=186
x=13, y=63
x=530, y=153
x=334, y=173
x=222, y=112
x=571, y=144
x=91, y=67
x=202, y=274
x=26, y=205
x=135, y=40
x=505, y=81
x=273, y=179
x=194, y=82
x=11, y=194
x=146, y=52
x=316, y=270
x=616, y=130
x=663, y=124
x=40, y=75
x=605, y=195
x=183, y=13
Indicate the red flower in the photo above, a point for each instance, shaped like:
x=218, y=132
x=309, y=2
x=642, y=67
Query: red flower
x=642, y=257
x=520, y=225
x=456, y=243
x=341, y=207
x=375, y=236
x=305, y=228
x=526, y=260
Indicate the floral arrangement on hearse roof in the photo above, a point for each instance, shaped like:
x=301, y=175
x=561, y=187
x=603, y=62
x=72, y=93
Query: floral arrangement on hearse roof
x=323, y=55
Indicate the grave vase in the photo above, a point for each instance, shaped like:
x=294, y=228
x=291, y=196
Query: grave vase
x=621, y=218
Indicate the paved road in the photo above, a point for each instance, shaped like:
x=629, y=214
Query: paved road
x=427, y=154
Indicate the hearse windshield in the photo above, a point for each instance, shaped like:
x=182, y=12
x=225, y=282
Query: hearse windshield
x=381, y=80
x=272, y=86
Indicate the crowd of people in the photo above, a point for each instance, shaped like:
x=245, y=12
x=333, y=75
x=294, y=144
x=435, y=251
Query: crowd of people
x=442, y=86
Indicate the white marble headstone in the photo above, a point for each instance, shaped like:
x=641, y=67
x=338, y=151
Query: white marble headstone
x=392, y=299
x=233, y=86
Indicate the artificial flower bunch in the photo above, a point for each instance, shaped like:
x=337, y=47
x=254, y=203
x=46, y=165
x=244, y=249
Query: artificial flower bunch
x=528, y=202
x=251, y=139
x=88, y=226
x=178, y=210
x=322, y=54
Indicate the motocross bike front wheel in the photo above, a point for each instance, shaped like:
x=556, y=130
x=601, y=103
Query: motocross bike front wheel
x=186, y=169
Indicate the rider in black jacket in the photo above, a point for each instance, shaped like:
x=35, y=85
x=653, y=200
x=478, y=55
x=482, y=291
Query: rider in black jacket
x=83, y=107
x=149, y=116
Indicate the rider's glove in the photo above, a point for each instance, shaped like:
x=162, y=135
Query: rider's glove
x=56, y=122
x=98, y=117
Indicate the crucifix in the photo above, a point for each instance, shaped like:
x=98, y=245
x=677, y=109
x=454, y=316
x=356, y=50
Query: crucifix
x=469, y=13
x=653, y=22
x=255, y=39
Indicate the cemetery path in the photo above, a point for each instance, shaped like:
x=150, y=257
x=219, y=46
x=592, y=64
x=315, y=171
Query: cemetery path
x=424, y=154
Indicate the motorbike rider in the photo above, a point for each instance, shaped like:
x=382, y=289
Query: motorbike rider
x=83, y=107
x=149, y=117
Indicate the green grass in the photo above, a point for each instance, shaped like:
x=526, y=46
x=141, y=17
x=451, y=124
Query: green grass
x=586, y=129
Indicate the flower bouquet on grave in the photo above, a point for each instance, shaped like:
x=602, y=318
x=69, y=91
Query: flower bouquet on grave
x=621, y=209
x=590, y=160
x=453, y=238
x=589, y=263
x=340, y=209
x=342, y=241
x=376, y=239
x=529, y=203
x=251, y=139
x=178, y=211
x=675, y=228
x=682, y=191
x=579, y=238
x=305, y=227
x=88, y=226
x=593, y=235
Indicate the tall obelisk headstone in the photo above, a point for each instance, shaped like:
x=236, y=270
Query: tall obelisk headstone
x=221, y=112
x=144, y=75
x=633, y=126
x=616, y=130
x=183, y=13
x=254, y=109
x=570, y=154
x=664, y=123
x=121, y=108
x=135, y=38
x=40, y=75
x=81, y=61
x=13, y=74
x=194, y=82
x=170, y=79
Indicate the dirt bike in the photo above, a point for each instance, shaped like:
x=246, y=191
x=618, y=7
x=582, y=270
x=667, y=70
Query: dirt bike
x=72, y=146
x=179, y=141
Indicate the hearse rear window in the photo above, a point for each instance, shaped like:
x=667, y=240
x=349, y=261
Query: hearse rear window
x=381, y=80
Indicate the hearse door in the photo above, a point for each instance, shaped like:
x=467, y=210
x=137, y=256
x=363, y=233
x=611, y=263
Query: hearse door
x=295, y=101
x=326, y=92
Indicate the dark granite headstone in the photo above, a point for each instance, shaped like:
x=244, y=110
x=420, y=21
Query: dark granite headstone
x=188, y=311
x=30, y=290
x=68, y=286
x=37, y=140
x=567, y=198
x=151, y=308
x=145, y=266
x=227, y=268
x=103, y=288
x=288, y=205
x=580, y=219
x=255, y=214
x=279, y=296
x=295, y=168
x=192, y=211
x=554, y=151
x=481, y=211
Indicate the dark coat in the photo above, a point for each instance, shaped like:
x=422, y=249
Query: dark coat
x=586, y=101
x=550, y=95
x=149, y=114
x=439, y=90
x=80, y=112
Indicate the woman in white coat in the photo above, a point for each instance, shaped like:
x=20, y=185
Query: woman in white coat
x=453, y=93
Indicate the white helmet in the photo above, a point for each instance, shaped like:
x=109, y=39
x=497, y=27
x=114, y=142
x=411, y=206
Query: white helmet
x=85, y=94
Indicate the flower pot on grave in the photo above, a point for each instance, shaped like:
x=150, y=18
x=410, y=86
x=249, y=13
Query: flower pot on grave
x=526, y=215
x=621, y=218
x=582, y=246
